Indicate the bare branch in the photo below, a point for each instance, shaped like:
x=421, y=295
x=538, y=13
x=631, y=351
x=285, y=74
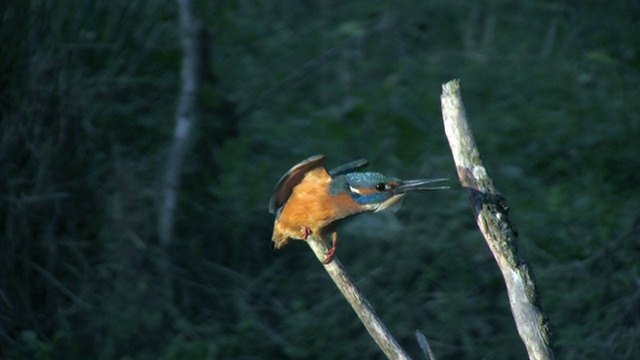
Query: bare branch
x=491, y=211
x=424, y=346
x=313, y=64
x=358, y=302
x=58, y=284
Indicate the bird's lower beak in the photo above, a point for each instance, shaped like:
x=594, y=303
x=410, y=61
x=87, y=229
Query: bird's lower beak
x=420, y=184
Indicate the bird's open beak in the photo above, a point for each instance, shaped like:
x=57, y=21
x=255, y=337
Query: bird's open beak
x=420, y=184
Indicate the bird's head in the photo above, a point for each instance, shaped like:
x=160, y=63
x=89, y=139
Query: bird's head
x=376, y=192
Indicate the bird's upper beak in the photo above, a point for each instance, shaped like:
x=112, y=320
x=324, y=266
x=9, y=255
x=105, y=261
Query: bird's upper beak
x=420, y=184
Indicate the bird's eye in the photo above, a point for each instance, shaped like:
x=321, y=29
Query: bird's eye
x=381, y=186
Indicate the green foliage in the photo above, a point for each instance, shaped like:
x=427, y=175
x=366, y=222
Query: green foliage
x=88, y=106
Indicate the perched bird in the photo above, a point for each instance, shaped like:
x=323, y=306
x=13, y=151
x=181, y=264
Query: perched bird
x=308, y=199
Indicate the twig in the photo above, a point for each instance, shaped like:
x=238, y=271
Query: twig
x=424, y=346
x=58, y=284
x=491, y=211
x=313, y=64
x=358, y=302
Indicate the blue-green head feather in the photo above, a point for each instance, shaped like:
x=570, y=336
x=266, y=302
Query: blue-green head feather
x=375, y=191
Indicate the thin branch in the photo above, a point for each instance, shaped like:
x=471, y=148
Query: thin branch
x=424, y=346
x=491, y=211
x=358, y=302
x=26, y=199
x=313, y=64
x=58, y=284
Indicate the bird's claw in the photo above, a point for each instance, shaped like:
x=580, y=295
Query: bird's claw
x=332, y=250
x=330, y=255
x=305, y=232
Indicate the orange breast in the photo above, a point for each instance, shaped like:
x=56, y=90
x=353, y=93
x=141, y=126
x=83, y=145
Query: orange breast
x=311, y=205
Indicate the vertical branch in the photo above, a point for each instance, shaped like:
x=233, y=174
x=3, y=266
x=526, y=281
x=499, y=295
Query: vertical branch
x=358, y=302
x=491, y=211
x=184, y=122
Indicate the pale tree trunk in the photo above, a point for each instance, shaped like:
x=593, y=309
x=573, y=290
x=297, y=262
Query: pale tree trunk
x=185, y=117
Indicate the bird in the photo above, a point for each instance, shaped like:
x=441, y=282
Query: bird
x=309, y=199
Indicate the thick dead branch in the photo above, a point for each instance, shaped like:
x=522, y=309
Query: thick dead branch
x=358, y=302
x=491, y=211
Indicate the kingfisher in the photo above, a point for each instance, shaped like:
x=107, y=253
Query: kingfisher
x=309, y=199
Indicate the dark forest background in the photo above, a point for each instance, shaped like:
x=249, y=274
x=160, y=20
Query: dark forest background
x=89, y=91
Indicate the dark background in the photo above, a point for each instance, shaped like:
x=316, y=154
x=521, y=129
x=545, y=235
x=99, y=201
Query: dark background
x=89, y=92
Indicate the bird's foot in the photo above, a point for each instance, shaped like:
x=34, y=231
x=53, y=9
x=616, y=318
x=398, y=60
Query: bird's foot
x=332, y=250
x=330, y=255
x=305, y=232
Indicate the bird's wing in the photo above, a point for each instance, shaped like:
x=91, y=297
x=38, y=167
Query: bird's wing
x=348, y=167
x=285, y=186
